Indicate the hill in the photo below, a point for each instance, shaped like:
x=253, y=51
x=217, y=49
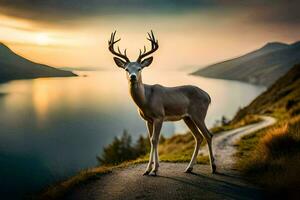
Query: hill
x=272, y=156
x=13, y=66
x=263, y=66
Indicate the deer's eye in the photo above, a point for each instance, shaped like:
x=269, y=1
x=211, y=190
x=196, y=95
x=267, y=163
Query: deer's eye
x=126, y=70
x=139, y=69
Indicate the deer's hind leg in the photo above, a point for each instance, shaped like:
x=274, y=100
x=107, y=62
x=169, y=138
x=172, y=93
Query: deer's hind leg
x=199, y=121
x=198, y=139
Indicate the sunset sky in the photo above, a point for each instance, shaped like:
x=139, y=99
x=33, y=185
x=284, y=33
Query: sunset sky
x=192, y=33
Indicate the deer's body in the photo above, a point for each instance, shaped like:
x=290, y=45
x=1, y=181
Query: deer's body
x=168, y=103
x=157, y=104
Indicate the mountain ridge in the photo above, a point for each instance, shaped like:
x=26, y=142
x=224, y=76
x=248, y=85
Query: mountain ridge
x=14, y=66
x=262, y=66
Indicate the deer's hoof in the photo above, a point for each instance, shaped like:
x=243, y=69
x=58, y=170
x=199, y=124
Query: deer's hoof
x=146, y=173
x=153, y=173
x=213, y=168
x=189, y=170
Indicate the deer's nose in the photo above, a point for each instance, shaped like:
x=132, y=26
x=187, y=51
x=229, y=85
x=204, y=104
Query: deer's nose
x=132, y=77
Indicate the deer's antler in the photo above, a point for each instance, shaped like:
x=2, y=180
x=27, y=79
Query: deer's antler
x=111, y=43
x=154, y=47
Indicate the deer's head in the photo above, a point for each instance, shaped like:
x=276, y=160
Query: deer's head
x=133, y=69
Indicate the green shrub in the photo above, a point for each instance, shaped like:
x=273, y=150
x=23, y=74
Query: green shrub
x=121, y=150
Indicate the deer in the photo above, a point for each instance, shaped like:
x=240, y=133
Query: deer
x=157, y=104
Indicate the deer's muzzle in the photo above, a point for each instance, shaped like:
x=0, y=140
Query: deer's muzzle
x=132, y=77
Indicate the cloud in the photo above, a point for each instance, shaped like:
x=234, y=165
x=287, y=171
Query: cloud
x=67, y=9
x=274, y=12
x=16, y=27
x=282, y=13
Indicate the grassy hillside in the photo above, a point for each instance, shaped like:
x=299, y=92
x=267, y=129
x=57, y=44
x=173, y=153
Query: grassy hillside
x=280, y=100
x=263, y=66
x=272, y=156
x=13, y=66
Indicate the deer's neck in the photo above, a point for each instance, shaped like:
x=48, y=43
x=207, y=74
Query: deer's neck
x=137, y=92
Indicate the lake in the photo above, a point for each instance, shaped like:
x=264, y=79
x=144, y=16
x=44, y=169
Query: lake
x=53, y=127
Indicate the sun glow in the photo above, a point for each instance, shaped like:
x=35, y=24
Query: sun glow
x=42, y=39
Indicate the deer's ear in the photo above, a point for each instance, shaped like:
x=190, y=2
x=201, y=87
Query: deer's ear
x=146, y=62
x=119, y=62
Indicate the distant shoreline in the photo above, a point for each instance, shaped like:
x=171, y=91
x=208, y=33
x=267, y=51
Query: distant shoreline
x=3, y=81
x=228, y=79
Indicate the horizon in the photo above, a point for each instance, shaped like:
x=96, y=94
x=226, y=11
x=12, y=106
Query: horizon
x=188, y=69
x=199, y=33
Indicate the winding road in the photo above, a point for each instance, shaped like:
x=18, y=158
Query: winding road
x=171, y=183
x=224, y=143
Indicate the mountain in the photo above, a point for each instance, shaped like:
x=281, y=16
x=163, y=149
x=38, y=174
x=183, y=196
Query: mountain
x=263, y=66
x=13, y=66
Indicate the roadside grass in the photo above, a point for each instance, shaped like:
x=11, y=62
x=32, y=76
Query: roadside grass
x=179, y=148
x=60, y=189
x=272, y=158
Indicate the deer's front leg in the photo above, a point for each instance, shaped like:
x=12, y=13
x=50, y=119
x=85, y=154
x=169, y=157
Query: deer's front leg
x=150, y=132
x=154, y=144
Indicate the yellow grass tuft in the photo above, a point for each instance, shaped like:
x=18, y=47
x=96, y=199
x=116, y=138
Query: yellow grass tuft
x=272, y=157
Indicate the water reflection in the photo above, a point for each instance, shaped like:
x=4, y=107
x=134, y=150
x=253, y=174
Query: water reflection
x=57, y=126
